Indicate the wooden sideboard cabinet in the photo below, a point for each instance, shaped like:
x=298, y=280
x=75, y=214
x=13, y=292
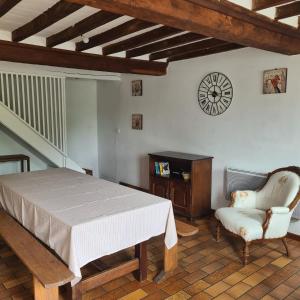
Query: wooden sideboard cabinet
x=190, y=198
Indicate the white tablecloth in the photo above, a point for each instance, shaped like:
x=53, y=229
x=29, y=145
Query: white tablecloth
x=84, y=218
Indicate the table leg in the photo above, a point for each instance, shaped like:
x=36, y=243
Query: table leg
x=22, y=166
x=28, y=165
x=141, y=254
x=170, y=264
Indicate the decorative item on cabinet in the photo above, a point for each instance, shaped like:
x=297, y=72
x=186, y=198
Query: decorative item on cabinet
x=188, y=185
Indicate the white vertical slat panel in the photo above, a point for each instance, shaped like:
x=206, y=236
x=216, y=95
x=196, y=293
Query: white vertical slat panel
x=28, y=100
x=43, y=104
x=37, y=102
x=51, y=108
x=55, y=111
x=60, y=115
x=18, y=96
x=8, y=92
x=33, y=103
x=12, y=86
x=47, y=108
x=2, y=88
x=64, y=120
x=23, y=77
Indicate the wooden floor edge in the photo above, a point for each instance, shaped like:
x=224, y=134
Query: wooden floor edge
x=293, y=236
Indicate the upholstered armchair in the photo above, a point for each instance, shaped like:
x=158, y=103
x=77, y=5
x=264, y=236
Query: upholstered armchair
x=264, y=214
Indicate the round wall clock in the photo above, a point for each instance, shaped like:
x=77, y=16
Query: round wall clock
x=215, y=93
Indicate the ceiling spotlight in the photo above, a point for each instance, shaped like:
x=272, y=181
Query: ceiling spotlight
x=85, y=39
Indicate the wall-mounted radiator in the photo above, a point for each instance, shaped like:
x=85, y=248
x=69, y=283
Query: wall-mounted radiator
x=246, y=180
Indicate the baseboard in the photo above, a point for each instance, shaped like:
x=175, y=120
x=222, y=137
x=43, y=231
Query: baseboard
x=293, y=236
x=134, y=187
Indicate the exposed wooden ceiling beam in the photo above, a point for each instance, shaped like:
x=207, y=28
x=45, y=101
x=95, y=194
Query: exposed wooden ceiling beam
x=262, y=4
x=139, y=40
x=288, y=10
x=203, y=52
x=165, y=44
x=216, y=18
x=24, y=53
x=55, y=13
x=98, y=19
x=114, y=33
x=209, y=43
x=7, y=5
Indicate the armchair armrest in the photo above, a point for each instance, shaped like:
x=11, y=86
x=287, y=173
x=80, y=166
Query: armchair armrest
x=243, y=199
x=276, y=222
x=280, y=210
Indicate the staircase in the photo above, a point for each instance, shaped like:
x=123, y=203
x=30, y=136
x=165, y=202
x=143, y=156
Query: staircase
x=33, y=107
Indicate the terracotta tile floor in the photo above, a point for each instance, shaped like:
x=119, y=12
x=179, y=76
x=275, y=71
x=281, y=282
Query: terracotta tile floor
x=207, y=270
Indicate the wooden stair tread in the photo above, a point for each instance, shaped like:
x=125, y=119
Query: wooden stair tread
x=47, y=268
x=184, y=229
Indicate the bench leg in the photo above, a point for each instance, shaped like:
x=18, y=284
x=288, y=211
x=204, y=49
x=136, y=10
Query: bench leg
x=141, y=254
x=41, y=293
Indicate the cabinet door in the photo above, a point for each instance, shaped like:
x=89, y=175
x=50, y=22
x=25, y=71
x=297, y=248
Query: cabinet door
x=180, y=194
x=160, y=187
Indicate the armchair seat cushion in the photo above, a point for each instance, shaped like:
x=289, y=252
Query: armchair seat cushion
x=245, y=222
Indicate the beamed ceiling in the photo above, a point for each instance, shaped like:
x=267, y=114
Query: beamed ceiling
x=142, y=37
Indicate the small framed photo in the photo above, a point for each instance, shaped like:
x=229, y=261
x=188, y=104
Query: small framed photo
x=137, y=87
x=137, y=121
x=275, y=81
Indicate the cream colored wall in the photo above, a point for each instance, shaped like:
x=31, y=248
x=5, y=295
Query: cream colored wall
x=82, y=122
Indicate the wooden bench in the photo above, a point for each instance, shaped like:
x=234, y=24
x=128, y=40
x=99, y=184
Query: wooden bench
x=17, y=157
x=48, y=271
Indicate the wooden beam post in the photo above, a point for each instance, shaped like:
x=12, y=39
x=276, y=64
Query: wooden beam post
x=288, y=10
x=204, y=52
x=141, y=39
x=262, y=4
x=58, y=11
x=23, y=53
x=165, y=44
x=41, y=293
x=98, y=19
x=114, y=33
x=218, y=19
x=7, y=5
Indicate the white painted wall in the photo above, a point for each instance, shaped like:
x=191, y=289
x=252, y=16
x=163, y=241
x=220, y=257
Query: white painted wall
x=108, y=116
x=82, y=123
x=258, y=132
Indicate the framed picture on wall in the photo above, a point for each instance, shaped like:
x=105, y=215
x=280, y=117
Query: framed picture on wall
x=137, y=87
x=137, y=121
x=275, y=81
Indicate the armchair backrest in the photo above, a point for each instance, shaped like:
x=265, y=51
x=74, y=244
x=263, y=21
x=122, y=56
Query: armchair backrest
x=281, y=189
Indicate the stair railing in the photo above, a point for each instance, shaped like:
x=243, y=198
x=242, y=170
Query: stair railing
x=39, y=101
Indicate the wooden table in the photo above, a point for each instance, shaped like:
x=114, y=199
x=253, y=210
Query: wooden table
x=17, y=157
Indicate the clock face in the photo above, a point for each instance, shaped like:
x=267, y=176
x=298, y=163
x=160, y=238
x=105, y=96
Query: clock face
x=215, y=93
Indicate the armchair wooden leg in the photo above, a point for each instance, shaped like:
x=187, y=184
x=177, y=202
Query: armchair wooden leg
x=218, y=232
x=286, y=246
x=246, y=253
